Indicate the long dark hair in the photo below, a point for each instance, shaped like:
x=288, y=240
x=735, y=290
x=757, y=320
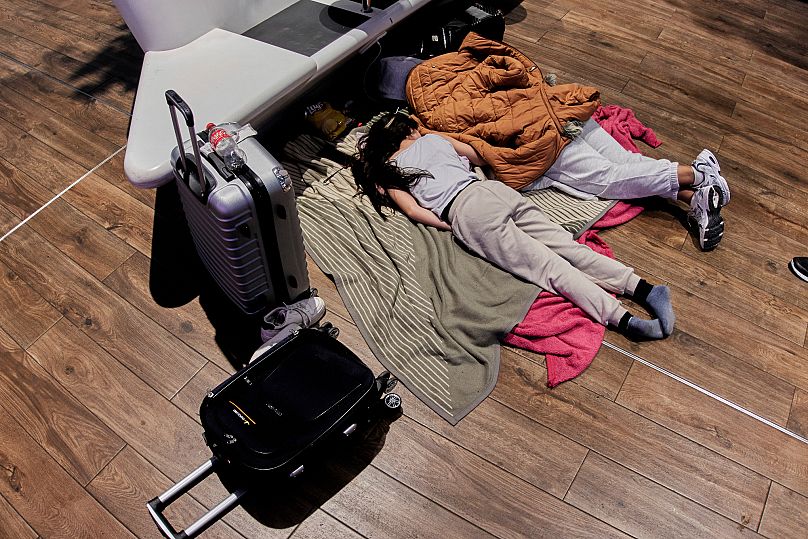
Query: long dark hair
x=372, y=168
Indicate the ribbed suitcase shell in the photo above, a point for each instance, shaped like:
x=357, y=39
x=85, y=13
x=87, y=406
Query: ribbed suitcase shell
x=250, y=241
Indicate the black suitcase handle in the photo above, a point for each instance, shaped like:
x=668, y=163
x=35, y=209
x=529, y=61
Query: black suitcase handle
x=161, y=502
x=175, y=102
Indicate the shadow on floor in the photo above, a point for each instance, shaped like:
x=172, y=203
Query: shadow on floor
x=177, y=276
x=118, y=62
x=286, y=503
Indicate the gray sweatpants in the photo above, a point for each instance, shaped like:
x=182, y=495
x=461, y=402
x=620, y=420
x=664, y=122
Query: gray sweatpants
x=498, y=224
x=595, y=164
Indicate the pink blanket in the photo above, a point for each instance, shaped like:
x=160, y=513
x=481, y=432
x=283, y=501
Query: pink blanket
x=554, y=326
x=625, y=127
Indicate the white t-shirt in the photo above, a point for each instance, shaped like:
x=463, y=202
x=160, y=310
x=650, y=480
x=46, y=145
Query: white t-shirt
x=451, y=172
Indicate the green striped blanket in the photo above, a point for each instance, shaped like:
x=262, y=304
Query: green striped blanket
x=431, y=312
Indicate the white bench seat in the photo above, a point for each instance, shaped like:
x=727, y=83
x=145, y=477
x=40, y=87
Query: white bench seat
x=225, y=76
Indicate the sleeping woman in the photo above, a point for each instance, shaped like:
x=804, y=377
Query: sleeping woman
x=429, y=178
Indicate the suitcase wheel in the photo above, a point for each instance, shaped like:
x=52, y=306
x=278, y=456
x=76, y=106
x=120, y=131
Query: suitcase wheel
x=386, y=382
x=392, y=401
x=329, y=329
x=332, y=332
x=391, y=384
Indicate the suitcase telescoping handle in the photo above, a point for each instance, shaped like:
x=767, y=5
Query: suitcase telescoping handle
x=175, y=102
x=161, y=502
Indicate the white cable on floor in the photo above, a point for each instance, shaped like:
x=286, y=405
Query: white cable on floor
x=709, y=393
x=62, y=192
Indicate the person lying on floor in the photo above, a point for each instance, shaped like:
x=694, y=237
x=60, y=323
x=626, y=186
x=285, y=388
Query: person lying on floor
x=533, y=133
x=429, y=178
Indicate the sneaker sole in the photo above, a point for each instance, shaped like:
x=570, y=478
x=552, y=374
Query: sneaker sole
x=713, y=234
x=723, y=190
x=797, y=272
x=710, y=236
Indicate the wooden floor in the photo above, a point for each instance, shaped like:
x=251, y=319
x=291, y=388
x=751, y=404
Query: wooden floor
x=103, y=361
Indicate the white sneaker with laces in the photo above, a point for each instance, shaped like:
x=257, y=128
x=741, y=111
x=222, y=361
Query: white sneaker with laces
x=303, y=314
x=705, y=217
x=708, y=172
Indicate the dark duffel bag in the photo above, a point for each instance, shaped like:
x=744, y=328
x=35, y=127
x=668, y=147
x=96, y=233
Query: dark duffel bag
x=484, y=20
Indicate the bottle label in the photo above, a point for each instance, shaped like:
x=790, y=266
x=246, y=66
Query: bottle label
x=216, y=136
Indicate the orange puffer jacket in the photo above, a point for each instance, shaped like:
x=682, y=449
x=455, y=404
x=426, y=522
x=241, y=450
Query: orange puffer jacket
x=494, y=98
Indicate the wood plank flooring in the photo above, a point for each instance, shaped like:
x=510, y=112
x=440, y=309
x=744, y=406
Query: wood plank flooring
x=109, y=339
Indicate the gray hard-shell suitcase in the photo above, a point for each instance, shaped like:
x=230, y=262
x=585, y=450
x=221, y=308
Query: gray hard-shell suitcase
x=245, y=226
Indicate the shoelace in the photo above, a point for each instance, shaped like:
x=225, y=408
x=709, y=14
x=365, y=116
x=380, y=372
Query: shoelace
x=704, y=170
x=282, y=315
x=306, y=319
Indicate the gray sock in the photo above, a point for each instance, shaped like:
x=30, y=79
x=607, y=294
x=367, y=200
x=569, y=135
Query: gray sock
x=659, y=301
x=637, y=328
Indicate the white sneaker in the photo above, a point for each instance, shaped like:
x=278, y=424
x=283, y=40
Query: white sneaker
x=708, y=172
x=303, y=314
x=799, y=265
x=705, y=217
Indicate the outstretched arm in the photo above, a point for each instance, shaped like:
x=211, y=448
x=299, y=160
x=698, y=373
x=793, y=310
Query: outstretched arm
x=407, y=204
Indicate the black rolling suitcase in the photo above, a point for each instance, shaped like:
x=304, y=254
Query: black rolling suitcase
x=244, y=225
x=266, y=421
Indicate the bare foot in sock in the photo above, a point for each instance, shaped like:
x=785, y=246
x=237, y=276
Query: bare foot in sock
x=659, y=302
x=639, y=329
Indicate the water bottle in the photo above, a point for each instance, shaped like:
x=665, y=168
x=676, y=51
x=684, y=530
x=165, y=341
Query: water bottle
x=223, y=140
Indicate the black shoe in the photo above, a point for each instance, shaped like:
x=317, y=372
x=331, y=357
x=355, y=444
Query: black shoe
x=799, y=267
